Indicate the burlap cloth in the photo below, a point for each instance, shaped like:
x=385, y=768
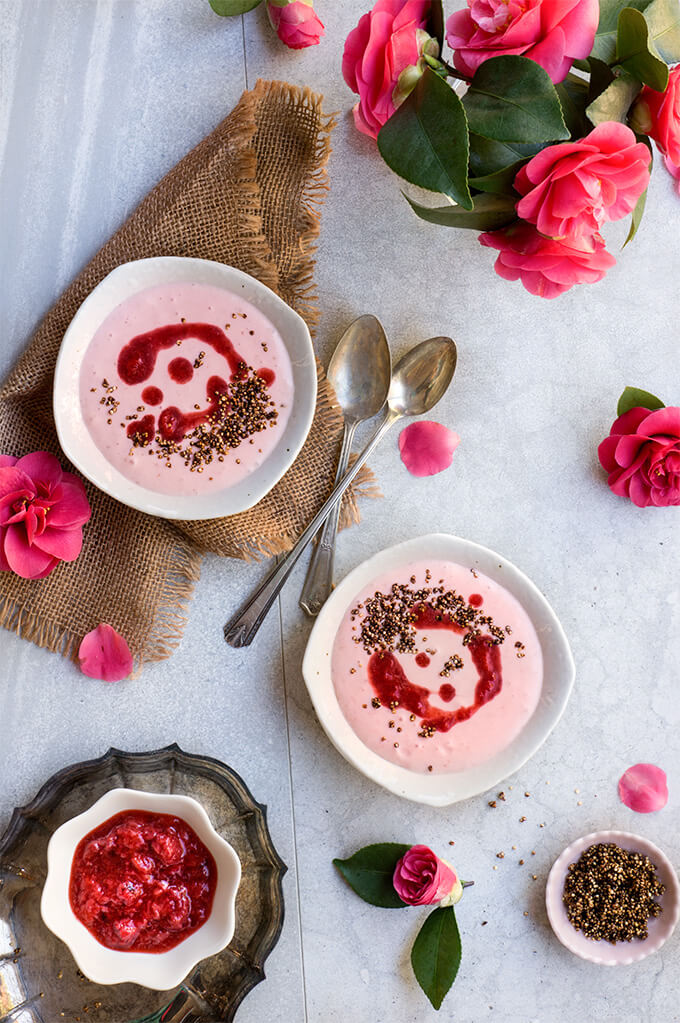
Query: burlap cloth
x=249, y=196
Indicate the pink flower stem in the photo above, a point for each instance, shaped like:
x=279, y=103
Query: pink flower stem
x=466, y=884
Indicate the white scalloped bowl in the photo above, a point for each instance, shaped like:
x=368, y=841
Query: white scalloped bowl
x=602, y=952
x=440, y=789
x=79, y=446
x=163, y=970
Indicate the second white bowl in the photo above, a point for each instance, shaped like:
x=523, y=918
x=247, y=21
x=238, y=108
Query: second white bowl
x=440, y=789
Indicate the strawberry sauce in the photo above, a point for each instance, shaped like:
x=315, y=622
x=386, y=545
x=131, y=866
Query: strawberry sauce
x=142, y=882
x=137, y=358
x=393, y=687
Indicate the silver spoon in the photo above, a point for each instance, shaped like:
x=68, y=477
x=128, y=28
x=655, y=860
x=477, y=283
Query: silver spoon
x=419, y=380
x=360, y=373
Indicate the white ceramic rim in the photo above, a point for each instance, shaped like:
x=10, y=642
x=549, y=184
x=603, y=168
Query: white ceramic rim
x=440, y=789
x=600, y=952
x=77, y=442
x=163, y=970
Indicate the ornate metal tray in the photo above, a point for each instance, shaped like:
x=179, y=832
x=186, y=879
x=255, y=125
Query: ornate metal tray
x=39, y=980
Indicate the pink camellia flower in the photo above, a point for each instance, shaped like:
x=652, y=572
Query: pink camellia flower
x=644, y=788
x=295, y=22
x=642, y=456
x=553, y=33
x=422, y=879
x=571, y=189
x=673, y=169
x=42, y=513
x=547, y=267
x=383, y=59
x=104, y=654
x=658, y=114
x=427, y=448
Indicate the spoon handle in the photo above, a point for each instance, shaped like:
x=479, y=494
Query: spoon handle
x=242, y=628
x=319, y=581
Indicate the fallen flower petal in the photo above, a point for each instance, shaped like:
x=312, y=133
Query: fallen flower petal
x=105, y=654
x=427, y=448
x=643, y=788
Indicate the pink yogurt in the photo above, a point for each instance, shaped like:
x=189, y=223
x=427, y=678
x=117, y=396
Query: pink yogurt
x=491, y=727
x=253, y=336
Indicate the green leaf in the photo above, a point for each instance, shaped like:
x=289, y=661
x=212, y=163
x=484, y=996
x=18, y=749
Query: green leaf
x=426, y=140
x=636, y=52
x=370, y=871
x=636, y=217
x=229, y=8
x=511, y=99
x=663, y=18
x=437, y=22
x=573, y=96
x=601, y=75
x=633, y=397
x=487, y=156
x=489, y=213
x=500, y=182
x=604, y=47
x=614, y=103
x=436, y=954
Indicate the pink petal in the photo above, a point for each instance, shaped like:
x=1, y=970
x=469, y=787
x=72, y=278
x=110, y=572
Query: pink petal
x=427, y=448
x=73, y=508
x=14, y=481
x=105, y=654
x=664, y=421
x=643, y=788
x=6, y=460
x=4, y=563
x=42, y=467
x=64, y=544
x=28, y=562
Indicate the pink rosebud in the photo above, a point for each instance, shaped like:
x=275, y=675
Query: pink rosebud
x=422, y=879
x=571, y=189
x=547, y=267
x=642, y=456
x=427, y=448
x=295, y=22
x=42, y=513
x=104, y=654
x=553, y=33
x=643, y=788
x=658, y=114
x=383, y=59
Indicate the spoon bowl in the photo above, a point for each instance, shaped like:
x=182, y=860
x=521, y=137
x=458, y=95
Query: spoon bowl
x=422, y=377
x=360, y=369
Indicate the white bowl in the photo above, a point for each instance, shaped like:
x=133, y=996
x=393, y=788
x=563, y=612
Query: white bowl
x=76, y=440
x=440, y=789
x=623, y=953
x=162, y=970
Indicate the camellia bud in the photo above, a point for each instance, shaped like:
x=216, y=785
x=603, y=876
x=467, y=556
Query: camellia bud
x=454, y=895
x=640, y=118
x=428, y=49
x=295, y=22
